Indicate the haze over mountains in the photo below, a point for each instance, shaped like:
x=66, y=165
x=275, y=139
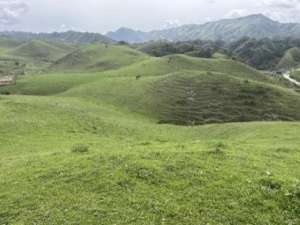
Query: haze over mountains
x=69, y=37
x=255, y=26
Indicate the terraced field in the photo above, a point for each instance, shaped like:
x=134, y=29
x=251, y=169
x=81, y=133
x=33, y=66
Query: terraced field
x=102, y=145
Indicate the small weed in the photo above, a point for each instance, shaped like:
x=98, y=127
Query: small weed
x=270, y=184
x=296, y=191
x=145, y=143
x=219, y=148
x=80, y=148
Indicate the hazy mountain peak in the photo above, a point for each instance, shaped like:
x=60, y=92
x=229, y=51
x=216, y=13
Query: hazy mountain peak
x=127, y=34
x=256, y=26
x=257, y=16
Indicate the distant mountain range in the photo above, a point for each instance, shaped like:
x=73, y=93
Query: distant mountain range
x=254, y=26
x=69, y=37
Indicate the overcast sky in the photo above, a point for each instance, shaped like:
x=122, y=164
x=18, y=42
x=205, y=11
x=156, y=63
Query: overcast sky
x=105, y=15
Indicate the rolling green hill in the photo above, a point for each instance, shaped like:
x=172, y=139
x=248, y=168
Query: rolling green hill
x=98, y=57
x=290, y=60
x=188, y=98
x=40, y=51
x=175, y=89
x=296, y=75
x=7, y=44
x=102, y=147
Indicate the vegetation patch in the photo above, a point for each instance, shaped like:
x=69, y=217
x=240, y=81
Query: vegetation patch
x=80, y=148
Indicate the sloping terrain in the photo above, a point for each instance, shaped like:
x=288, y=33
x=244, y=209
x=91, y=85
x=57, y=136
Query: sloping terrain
x=290, y=60
x=7, y=44
x=40, y=51
x=213, y=98
x=296, y=75
x=98, y=57
x=101, y=147
x=190, y=98
x=134, y=167
x=175, y=89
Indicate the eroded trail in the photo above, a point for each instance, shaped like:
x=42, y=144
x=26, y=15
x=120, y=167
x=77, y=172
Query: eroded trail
x=287, y=76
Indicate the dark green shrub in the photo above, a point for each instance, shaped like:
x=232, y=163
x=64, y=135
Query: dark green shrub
x=4, y=92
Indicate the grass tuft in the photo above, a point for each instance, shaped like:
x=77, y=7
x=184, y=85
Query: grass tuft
x=80, y=148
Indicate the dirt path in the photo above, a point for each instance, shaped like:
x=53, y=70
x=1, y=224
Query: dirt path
x=287, y=76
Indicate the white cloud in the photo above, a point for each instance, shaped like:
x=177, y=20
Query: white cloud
x=279, y=10
x=281, y=4
x=171, y=24
x=282, y=10
x=11, y=10
x=235, y=13
x=64, y=28
x=106, y=15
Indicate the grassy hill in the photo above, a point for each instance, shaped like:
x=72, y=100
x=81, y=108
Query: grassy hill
x=229, y=173
x=188, y=98
x=40, y=51
x=100, y=147
x=98, y=57
x=7, y=44
x=9, y=66
x=290, y=60
x=176, y=89
x=296, y=75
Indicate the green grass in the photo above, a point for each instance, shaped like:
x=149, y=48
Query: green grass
x=194, y=98
x=296, y=75
x=39, y=51
x=98, y=57
x=86, y=148
x=233, y=92
x=49, y=84
x=290, y=60
x=7, y=44
x=137, y=172
x=34, y=56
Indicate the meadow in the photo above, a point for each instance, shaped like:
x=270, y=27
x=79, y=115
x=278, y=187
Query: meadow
x=125, y=138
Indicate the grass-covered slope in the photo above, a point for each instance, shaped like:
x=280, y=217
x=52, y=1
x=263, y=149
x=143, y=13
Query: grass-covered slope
x=40, y=51
x=7, y=44
x=290, y=60
x=98, y=57
x=189, y=98
x=212, y=98
x=201, y=91
x=88, y=148
x=177, y=63
x=139, y=172
x=296, y=75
